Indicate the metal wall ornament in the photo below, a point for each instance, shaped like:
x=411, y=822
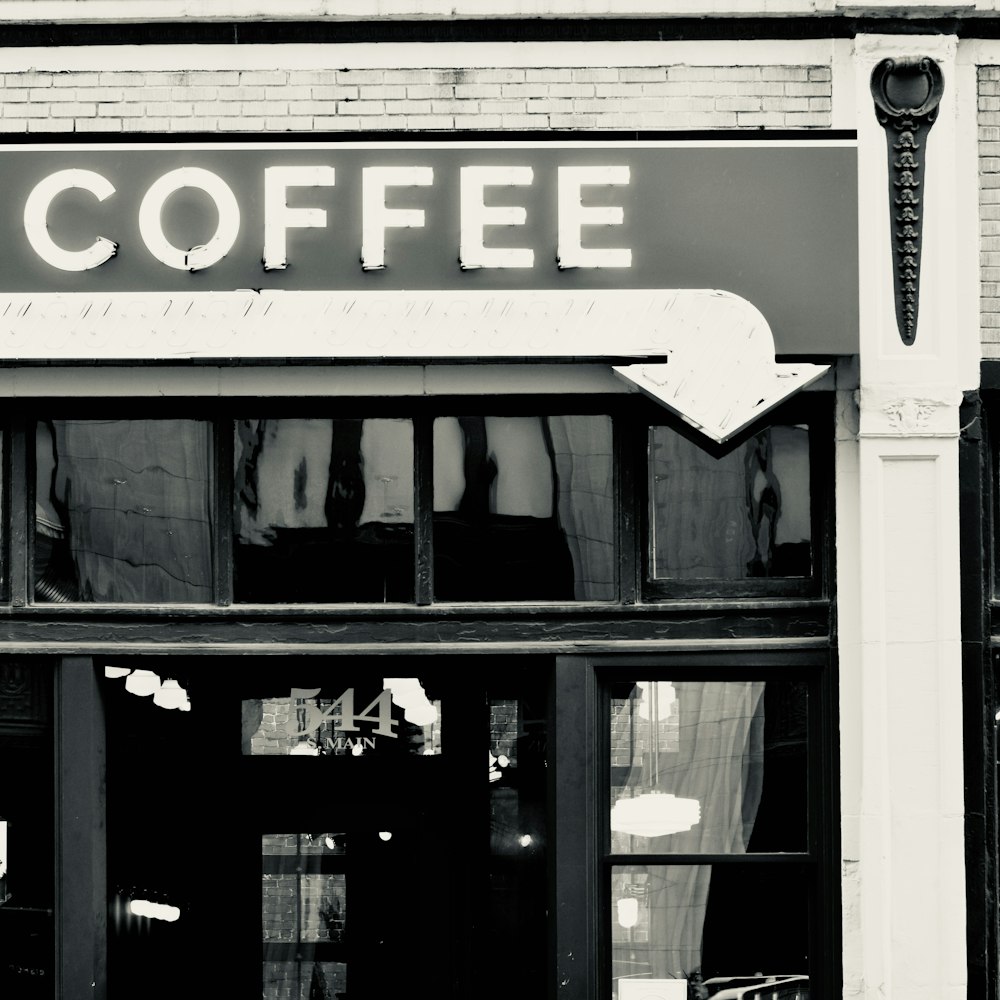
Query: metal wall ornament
x=907, y=93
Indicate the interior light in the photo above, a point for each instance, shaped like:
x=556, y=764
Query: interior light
x=115, y=672
x=655, y=814
x=155, y=911
x=170, y=694
x=524, y=840
x=384, y=835
x=142, y=683
x=628, y=911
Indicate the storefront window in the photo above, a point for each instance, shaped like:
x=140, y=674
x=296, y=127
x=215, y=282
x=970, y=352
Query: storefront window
x=745, y=514
x=324, y=510
x=714, y=770
x=123, y=511
x=523, y=509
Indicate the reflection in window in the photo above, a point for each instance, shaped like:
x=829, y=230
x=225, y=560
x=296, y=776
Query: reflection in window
x=517, y=901
x=709, y=930
x=122, y=511
x=395, y=716
x=324, y=510
x=746, y=514
x=708, y=767
x=304, y=915
x=523, y=508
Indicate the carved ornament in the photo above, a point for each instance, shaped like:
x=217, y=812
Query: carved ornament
x=907, y=93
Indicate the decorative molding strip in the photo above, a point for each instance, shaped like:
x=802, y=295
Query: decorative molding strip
x=906, y=93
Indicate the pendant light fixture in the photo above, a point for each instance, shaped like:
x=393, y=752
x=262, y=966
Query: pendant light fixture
x=654, y=813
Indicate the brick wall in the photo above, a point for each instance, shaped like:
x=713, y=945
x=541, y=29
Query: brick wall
x=628, y=97
x=989, y=208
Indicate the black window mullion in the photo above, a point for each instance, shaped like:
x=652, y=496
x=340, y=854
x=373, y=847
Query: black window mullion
x=222, y=516
x=423, y=508
x=21, y=507
x=628, y=455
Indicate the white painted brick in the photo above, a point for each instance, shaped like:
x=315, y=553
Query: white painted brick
x=547, y=107
x=694, y=74
x=407, y=77
x=310, y=108
x=742, y=73
x=409, y=108
x=13, y=125
x=222, y=108
x=198, y=93
x=240, y=93
x=571, y=90
x=24, y=110
x=75, y=79
x=455, y=107
x=807, y=89
x=12, y=95
x=627, y=89
x=263, y=108
x=335, y=123
x=572, y=121
x=145, y=124
x=525, y=90
x=820, y=104
x=99, y=125
x=288, y=123
x=669, y=88
x=548, y=75
x=738, y=103
x=807, y=119
x=791, y=73
x=430, y=121
x=302, y=93
x=385, y=92
x=121, y=79
x=480, y=121
x=150, y=93
x=760, y=119
x=523, y=121
x=72, y=109
x=312, y=77
x=500, y=75
x=203, y=123
x=643, y=74
x=335, y=93
x=266, y=78
x=120, y=110
x=208, y=78
x=783, y=104
x=40, y=94
x=477, y=90
x=241, y=124
x=102, y=94
x=431, y=91
x=595, y=74
x=363, y=107
x=508, y=107
x=29, y=79
x=361, y=76
x=820, y=73
x=47, y=125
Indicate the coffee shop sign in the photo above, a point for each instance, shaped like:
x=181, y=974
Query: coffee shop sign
x=478, y=247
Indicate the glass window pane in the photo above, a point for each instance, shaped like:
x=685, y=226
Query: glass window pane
x=517, y=901
x=123, y=511
x=680, y=931
x=390, y=716
x=303, y=916
x=746, y=514
x=523, y=509
x=708, y=767
x=324, y=510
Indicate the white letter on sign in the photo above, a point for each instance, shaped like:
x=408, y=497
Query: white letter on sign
x=573, y=215
x=278, y=217
x=476, y=215
x=377, y=216
x=36, y=210
x=151, y=228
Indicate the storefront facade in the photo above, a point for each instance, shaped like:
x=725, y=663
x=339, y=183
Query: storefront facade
x=563, y=398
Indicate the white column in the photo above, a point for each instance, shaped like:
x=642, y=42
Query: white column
x=903, y=875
